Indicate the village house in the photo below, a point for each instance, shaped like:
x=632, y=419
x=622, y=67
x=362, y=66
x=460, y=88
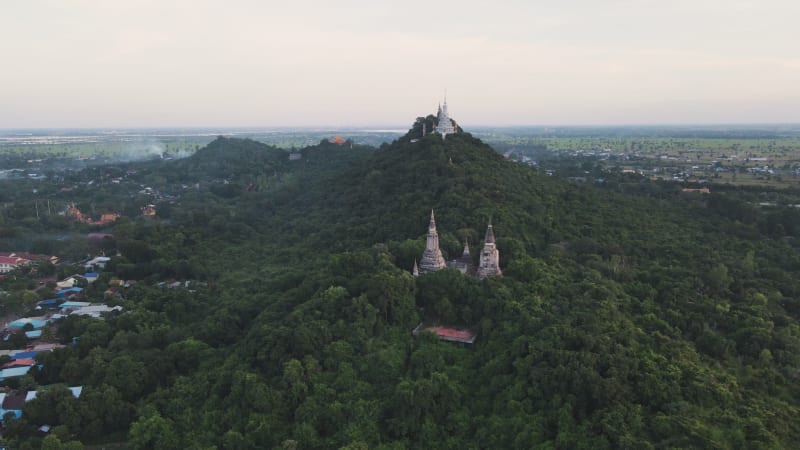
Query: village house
x=95, y=310
x=9, y=263
x=30, y=258
x=69, y=282
x=91, y=277
x=30, y=326
x=13, y=402
x=73, y=293
x=96, y=263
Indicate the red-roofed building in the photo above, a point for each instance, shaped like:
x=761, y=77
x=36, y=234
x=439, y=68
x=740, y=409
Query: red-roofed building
x=449, y=334
x=105, y=219
x=31, y=257
x=9, y=263
x=22, y=362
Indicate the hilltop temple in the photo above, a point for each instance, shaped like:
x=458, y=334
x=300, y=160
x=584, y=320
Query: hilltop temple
x=444, y=125
x=432, y=259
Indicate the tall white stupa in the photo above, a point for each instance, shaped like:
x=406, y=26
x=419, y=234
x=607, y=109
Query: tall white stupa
x=444, y=125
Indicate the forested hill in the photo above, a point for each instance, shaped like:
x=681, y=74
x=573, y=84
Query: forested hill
x=622, y=321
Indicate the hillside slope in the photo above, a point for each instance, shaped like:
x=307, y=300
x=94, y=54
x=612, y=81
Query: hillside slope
x=622, y=321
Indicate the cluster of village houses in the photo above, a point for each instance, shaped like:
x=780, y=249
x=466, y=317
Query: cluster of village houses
x=22, y=361
x=68, y=301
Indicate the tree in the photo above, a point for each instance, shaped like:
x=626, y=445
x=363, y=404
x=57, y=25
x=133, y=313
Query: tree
x=153, y=432
x=718, y=279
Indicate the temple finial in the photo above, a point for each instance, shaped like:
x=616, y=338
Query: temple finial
x=489, y=234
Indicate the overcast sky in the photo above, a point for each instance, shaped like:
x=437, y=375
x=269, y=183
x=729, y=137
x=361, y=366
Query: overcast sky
x=74, y=63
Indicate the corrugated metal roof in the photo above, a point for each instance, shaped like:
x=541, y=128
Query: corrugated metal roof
x=74, y=304
x=19, y=323
x=76, y=392
x=33, y=334
x=22, y=355
x=14, y=372
x=20, y=362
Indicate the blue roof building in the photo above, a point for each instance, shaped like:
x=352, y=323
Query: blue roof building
x=37, y=324
x=49, y=303
x=68, y=292
x=24, y=355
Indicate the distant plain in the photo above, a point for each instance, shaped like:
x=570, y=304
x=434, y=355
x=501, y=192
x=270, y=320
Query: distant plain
x=767, y=155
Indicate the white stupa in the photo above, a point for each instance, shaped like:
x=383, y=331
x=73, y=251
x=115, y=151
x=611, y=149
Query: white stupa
x=444, y=125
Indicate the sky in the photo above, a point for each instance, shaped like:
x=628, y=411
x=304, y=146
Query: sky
x=93, y=63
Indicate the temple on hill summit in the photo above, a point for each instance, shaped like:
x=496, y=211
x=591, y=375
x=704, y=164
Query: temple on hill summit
x=444, y=125
x=432, y=259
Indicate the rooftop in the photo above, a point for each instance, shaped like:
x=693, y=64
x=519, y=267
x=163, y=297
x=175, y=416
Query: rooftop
x=14, y=372
x=12, y=260
x=20, y=323
x=449, y=334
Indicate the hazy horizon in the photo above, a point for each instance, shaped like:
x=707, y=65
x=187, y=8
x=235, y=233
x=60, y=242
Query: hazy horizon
x=393, y=128
x=359, y=64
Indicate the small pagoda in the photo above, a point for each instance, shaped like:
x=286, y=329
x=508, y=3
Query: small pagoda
x=490, y=256
x=432, y=259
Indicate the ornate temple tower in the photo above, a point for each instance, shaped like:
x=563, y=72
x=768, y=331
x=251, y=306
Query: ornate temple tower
x=432, y=259
x=444, y=125
x=464, y=263
x=490, y=257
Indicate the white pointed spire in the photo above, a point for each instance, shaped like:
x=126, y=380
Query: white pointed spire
x=490, y=257
x=432, y=259
x=444, y=125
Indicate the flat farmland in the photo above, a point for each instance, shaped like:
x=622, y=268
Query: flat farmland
x=743, y=161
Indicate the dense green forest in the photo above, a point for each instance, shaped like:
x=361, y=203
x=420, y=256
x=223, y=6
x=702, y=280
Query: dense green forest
x=630, y=315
